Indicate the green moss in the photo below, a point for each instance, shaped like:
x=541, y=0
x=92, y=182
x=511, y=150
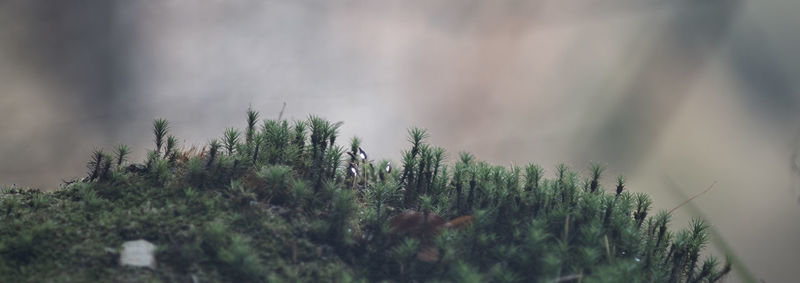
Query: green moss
x=283, y=206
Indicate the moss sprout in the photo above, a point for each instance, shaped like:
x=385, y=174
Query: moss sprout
x=160, y=128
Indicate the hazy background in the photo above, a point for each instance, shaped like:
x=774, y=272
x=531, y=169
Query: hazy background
x=688, y=91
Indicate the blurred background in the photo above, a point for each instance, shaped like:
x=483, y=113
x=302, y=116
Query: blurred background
x=674, y=95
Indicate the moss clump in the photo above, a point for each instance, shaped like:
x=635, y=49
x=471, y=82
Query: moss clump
x=284, y=203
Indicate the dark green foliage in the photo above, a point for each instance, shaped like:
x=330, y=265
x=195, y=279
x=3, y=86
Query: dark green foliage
x=283, y=206
x=597, y=170
x=643, y=203
x=231, y=139
x=99, y=166
x=252, y=119
x=323, y=135
x=276, y=136
x=170, y=152
x=122, y=154
x=160, y=128
x=213, y=149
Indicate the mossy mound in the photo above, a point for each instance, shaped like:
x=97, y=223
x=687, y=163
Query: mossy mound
x=283, y=202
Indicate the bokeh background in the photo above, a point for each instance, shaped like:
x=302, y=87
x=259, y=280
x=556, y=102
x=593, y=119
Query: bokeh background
x=675, y=95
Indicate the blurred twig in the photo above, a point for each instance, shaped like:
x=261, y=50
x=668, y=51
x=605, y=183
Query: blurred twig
x=693, y=197
x=280, y=115
x=719, y=242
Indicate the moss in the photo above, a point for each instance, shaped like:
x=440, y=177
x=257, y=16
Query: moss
x=283, y=205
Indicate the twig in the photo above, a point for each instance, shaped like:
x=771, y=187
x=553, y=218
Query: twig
x=280, y=115
x=693, y=197
x=719, y=240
